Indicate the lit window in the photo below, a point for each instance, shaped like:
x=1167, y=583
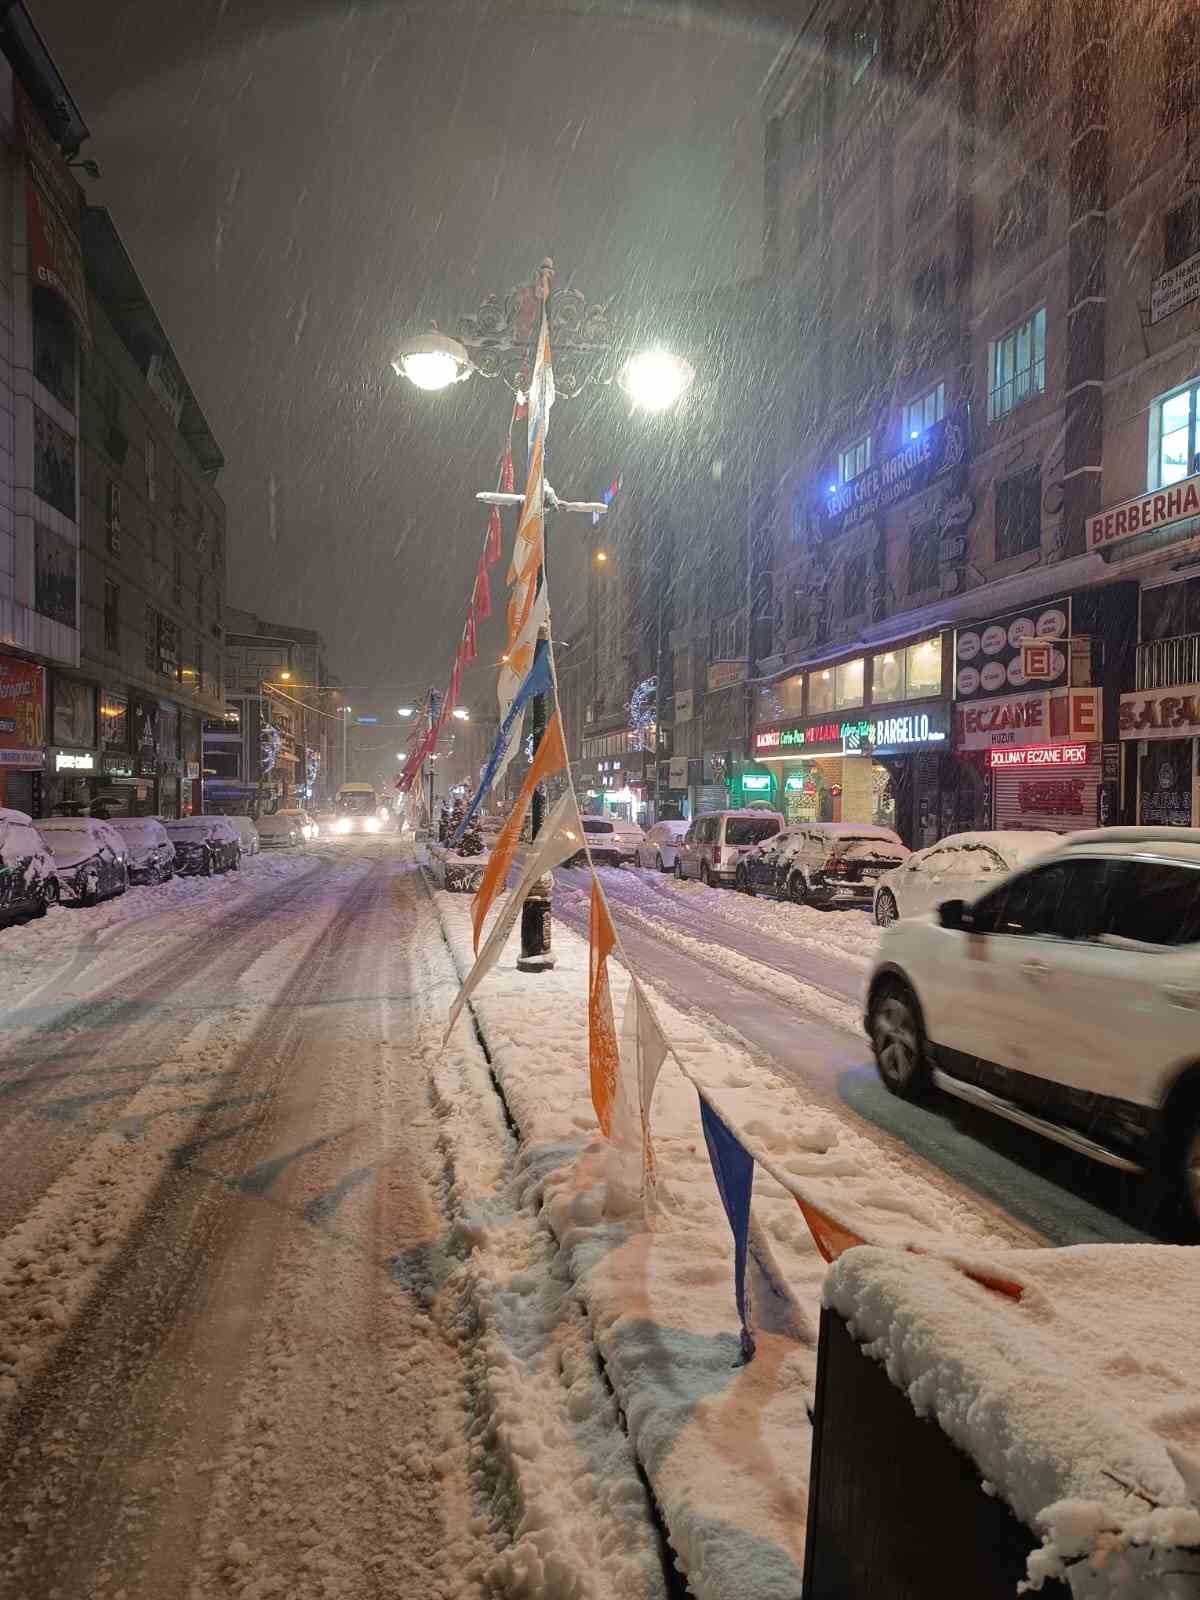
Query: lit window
x=887, y=677
x=1017, y=365
x=923, y=668
x=820, y=691
x=852, y=463
x=924, y=411
x=1175, y=437
x=850, y=683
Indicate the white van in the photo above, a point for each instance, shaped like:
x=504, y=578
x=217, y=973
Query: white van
x=714, y=844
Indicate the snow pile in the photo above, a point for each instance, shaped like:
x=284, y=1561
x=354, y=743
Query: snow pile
x=848, y=934
x=1077, y=1403
x=725, y=1445
x=456, y=872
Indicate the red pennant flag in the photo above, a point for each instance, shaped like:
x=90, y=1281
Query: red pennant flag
x=481, y=594
x=506, y=470
x=495, y=538
x=467, y=648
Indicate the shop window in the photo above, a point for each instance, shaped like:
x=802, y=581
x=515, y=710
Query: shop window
x=1181, y=233
x=850, y=683
x=1019, y=513
x=1179, y=69
x=924, y=411
x=929, y=290
x=923, y=669
x=1021, y=217
x=852, y=463
x=1171, y=610
x=1017, y=365
x=821, y=689
x=923, y=545
x=854, y=586
x=887, y=678
x=929, y=180
x=54, y=347
x=112, y=616
x=1174, y=437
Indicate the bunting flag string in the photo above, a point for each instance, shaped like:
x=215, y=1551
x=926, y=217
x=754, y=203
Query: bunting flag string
x=468, y=637
x=603, y=1056
x=537, y=680
x=733, y=1169
x=481, y=594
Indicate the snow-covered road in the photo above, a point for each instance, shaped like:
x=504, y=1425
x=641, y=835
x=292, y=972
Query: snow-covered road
x=785, y=982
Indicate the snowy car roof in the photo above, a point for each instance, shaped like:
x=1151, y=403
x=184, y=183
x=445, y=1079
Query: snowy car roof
x=204, y=827
x=858, y=830
x=17, y=818
x=1014, y=844
x=137, y=827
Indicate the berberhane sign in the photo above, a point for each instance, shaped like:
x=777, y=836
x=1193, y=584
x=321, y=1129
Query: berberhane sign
x=1158, y=509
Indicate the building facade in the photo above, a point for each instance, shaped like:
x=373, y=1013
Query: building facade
x=985, y=223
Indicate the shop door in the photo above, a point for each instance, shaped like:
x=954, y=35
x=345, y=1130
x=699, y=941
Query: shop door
x=19, y=792
x=1166, y=783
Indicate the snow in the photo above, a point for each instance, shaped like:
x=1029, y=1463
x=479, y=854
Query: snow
x=1077, y=1403
x=724, y=1445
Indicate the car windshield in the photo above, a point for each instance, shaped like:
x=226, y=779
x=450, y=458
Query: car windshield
x=594, y=825
x=749, y=830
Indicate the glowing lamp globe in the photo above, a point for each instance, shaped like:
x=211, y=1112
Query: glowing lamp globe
x=655, y=379
x=432, y=361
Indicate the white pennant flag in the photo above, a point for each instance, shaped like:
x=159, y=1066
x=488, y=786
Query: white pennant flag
x=561, y=838
x=645, y=1047
x=513, y=672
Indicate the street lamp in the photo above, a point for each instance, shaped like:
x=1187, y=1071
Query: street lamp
x=404, y=711
x=461, y=714
x=655, y=379
x=432, y=361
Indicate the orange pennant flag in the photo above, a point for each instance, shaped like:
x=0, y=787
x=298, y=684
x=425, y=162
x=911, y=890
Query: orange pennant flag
x=602, y=1035
x=549, y=757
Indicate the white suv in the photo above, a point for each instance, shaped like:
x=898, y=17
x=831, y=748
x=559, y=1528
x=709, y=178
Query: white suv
x=1066, y=999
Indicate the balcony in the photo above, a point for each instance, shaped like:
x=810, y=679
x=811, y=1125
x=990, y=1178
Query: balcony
x=1163, y=663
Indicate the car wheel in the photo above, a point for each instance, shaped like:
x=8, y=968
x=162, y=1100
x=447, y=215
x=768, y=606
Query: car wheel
x=743, y=881
x=658, y=861
x=886, y=909
x=705, y=875
x=797, y=889
x=898, y=1040
x=679, y=869
x=206, y=871
x=91, y=890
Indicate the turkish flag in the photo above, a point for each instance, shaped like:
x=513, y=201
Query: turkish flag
x=481, y=594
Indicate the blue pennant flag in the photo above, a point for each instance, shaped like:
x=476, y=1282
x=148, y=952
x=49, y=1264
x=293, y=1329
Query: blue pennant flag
x=537, y=681
x=733, y=1168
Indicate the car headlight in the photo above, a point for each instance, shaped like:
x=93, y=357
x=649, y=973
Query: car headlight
x=372, y=824
x=342, y=825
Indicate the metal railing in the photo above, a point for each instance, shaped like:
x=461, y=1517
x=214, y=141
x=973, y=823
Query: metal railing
x=1162, y=663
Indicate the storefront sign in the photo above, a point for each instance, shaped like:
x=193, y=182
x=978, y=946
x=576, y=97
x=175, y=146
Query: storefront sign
x=1011, y=720
x=684, y=701
x=53, y=464
x=74, y=761
x=74, y=711
x=756, y=782
x=899, y=730
x=1175, y=289
x=117, y=766
x=52, y=214
x=917, y=465
x=114, y=720
x=724, y=674
x=193, y=769
x=1040, y=755
x=988, y=655
x=22, y=713
x=1161, y=713
x=143, y=716
x=1144, y=514
x=677, y=772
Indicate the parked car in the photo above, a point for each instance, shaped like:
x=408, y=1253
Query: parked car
x=612, y=840
x=714, y=844
x=28, y=877
x=285, y=829
x=964, y=864
x=90, y=858
x=823, y=863
x=658, y=848
x=151, y=855
x=1066, y=1000
x=247, y=834
x=205, y=845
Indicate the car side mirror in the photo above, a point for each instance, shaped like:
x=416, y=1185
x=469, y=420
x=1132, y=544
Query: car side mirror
x=955, y=914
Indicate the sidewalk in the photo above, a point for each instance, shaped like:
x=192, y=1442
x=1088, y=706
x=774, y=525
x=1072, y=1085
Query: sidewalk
x=725, y=1445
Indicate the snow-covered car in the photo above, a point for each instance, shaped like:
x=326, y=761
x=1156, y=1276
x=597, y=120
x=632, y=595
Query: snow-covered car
x=1065, y=1000
x=204, y=845
x=247, y=834
x=89, y=858
x=612, y=841
x=823, y=863
x=964, y=864
x=715, y=843
x=658, y=848
x=28, y=879
x=285, y=829
x=151, y=855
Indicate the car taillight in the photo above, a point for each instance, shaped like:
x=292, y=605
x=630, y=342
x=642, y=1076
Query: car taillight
x=834, y=866
x=716, y=855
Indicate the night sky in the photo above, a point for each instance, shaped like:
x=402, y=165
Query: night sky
x=297, y=183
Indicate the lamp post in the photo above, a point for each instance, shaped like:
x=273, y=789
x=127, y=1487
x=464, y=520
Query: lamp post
x=499, y=341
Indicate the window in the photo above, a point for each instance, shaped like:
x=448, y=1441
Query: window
x=1019, y=513
x=1065, y=900
x=151, y=469
x=854, y=266
x=177, y=578
x=852, y=463
x=1174, y=437
x=200, y=599
x=887, y=677
x=929, y=179
x=799, y=519
x=201, y=687
x=1017, y=365
x=923, y=668
x=924, y=411
x=1171, y=610
x=929, y=290
x=112, y=616
x=775, y=702
x=112, y=517
x=1022, y=71
x=862, y=46
x=1181, y=233
x=1159, y=904
x=54, y=347
x=820, y=691
x=924, y=543
x=1179, y=69
x=854, y=586
x=1021, y=216
x=850, y=683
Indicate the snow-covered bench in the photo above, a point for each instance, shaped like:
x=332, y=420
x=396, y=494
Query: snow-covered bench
x=1070, y=1416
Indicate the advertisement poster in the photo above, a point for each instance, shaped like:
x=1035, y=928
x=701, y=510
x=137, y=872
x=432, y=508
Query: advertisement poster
x=987, y=655
x=143, y=717
x=74, y=712
x=22, y=713
x=55, y=583
x=53, y=464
